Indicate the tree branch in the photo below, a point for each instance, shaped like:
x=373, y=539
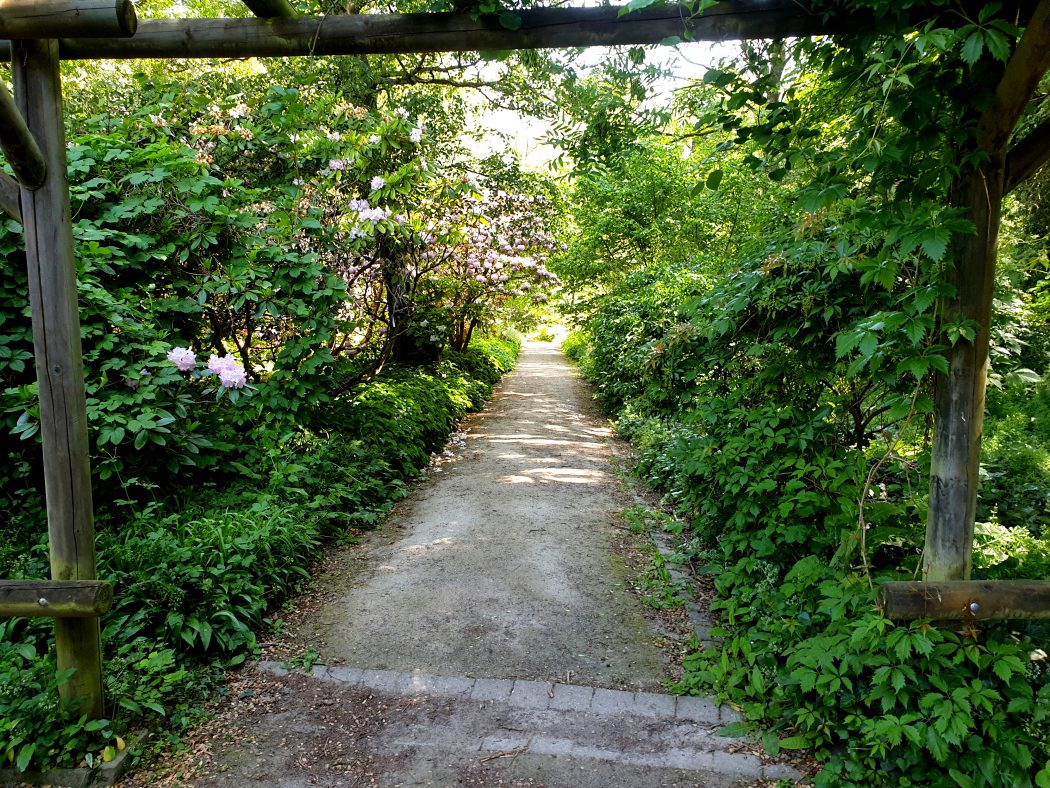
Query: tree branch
x=1027, y=156
x=413, y=79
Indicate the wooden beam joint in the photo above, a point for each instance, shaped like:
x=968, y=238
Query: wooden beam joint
x=19, y=145
x=10, y=202
x=55, y=598
x=966, y=600
x=29, y=19
x=270, y=9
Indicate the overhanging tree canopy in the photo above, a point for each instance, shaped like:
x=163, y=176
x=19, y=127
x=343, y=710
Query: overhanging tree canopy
x=31, y=131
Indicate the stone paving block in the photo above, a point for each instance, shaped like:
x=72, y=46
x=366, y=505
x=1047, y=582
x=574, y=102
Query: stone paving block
x=780, y=771
x=726, y=715
x=491, y=689
x=696, y=710
x=531, y=694
x=652, y=704
x=502, y=743
x=384, y=681
x=271, y=667
x=571, y=697
x=679, y=758
x=606, y=701
x=547, y=745
x=446, y=686
x=737, y=763
x=342, y=675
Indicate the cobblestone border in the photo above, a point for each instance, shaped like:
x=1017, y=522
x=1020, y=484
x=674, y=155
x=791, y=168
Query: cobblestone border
x=546, y=695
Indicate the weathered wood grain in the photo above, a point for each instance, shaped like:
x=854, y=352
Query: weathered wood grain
x=361, y=34
x=27, y=19
x=55, y=599
x=976, y=600
x=60, y=370
x=20, y=149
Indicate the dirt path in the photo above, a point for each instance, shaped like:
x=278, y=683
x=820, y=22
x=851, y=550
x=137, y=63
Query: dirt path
x=486, y=636
x=503, y=564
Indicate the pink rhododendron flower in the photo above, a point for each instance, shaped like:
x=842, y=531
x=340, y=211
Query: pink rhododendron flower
x=183, y=358
x=378, y=182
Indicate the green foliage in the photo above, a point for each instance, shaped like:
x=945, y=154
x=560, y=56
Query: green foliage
x=35, y=726
x=1015, y=468
x=195, y=574
x=783, y=409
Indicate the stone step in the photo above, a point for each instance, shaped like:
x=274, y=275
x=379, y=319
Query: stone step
x=555, y=734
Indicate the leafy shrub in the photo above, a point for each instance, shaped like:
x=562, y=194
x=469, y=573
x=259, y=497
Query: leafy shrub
x=760, y=409
x=1015, y=466
x=194, y=576
x=202, y=579
x=35, y=725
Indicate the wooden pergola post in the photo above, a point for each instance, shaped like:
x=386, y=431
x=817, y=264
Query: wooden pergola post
x=60, y=369
x=979, y=190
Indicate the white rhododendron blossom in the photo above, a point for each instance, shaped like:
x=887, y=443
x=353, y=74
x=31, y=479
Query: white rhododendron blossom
x=231, y=373
x=183, y=358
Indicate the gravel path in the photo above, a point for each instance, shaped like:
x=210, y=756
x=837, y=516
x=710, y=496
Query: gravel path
x=503, y=565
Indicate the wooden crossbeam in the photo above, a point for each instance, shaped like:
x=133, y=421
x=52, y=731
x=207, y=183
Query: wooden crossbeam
x=19, y=145
x=270, y=9
x=26, y=19
x=9, y=201
x=55, y=599
x=966, y=600
x=454, y=32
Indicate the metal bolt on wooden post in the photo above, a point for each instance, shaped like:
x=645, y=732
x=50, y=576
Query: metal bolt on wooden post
x=60, y=369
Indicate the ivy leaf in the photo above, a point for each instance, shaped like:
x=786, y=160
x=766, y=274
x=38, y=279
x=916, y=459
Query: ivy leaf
x=510, y=20
x=997, y=44
x=918, y=367
x=971, y=51
x=734, y=729
x=635, y=5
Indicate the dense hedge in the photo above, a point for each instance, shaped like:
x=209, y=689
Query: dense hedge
x=196, y=572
